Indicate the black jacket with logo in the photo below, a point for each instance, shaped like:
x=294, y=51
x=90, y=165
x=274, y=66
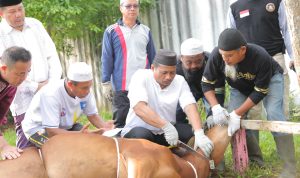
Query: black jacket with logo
x=254, y=72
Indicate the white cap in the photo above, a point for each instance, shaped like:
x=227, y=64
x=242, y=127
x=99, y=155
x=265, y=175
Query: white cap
x=191, y=46
x=80, y=72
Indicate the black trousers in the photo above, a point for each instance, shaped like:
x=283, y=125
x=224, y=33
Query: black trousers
x=184, y=131
x=120, y=108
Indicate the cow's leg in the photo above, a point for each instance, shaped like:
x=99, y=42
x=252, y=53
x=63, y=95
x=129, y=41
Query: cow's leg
x=29, y=165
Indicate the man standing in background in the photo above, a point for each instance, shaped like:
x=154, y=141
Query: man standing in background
x=127, y=46
x=18, y=30
x=263, y=23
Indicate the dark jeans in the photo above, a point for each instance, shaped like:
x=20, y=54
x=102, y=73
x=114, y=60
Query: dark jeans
x=184, y=131
x=120, y=108
x=181, y=116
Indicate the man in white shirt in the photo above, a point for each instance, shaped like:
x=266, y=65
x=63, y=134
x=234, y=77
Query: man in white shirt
x=57, y=106
x=154, y=94
x=16, y=30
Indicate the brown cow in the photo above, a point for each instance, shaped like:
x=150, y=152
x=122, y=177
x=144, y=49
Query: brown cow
x=29, y=165
x=90, y=155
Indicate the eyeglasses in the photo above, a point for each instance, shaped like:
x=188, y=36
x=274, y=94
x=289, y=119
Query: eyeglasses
x=129, y=6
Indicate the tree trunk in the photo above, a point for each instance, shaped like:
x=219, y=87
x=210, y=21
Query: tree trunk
x=293, y=17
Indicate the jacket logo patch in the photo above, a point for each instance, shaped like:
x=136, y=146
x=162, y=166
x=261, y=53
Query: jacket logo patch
x=270, y=7
x=83, y=105
x=244, y=13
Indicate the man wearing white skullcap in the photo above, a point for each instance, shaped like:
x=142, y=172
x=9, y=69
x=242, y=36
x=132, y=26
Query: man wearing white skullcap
x=56, y=108
x=191, y=64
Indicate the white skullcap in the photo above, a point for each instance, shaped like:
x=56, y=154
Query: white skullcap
x=191, y=46
x=80, y=72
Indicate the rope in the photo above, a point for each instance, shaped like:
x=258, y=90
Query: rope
x=194, y=169
x=118, y=155
x=41, y=156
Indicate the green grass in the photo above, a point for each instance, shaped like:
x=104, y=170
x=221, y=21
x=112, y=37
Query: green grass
x=272, y=162
x=267, y=144
x=10, y=136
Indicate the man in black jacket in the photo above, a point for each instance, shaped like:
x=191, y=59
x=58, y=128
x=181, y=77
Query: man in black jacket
x=253, y=76
x=263, y=23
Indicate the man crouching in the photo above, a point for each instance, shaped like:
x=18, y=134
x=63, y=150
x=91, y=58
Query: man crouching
x=56, y=107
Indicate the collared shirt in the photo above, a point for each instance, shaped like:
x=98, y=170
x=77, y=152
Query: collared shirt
x=45, y=61
x=124, y=51
x=162, y=101
x=53, y=107
x=263, y=23
x=7, y=93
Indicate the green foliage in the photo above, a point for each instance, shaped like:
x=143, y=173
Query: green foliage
x=294, y=109
x=66, y=19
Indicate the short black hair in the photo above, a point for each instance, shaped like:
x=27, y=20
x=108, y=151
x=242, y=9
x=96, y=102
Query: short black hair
x=15, y=54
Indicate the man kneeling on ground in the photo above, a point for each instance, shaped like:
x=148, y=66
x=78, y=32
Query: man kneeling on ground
x=56, y=107
x=154, y=94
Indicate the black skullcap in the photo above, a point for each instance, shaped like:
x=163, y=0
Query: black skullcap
x=4, y=3
x=231, y=39
x=165, y=57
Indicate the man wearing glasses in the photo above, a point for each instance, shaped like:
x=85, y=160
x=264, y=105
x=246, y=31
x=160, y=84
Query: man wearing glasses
x=127, y=47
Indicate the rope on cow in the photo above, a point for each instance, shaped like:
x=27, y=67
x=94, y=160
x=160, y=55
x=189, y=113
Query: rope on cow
x=118, y=155
x=41, y=156
x=194, y=169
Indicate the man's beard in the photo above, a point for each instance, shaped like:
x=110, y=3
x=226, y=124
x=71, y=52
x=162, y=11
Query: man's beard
x=192, y=75
x=230, y=72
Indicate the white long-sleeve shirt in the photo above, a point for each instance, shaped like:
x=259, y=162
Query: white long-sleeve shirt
x=45, y=61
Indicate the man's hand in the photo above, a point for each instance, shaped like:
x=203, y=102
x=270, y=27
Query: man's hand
x=234, y=123
x=171, y=134
x=41, y=85
x=107, y=91
x=292, y=66
x=203, y=142
x=220, y=115
x=210, y=122
x=85, y=129
x=10, y=152
x=108, y=125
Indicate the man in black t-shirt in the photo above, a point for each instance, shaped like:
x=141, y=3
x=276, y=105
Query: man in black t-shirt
x=253, y=76
x=263, y=23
